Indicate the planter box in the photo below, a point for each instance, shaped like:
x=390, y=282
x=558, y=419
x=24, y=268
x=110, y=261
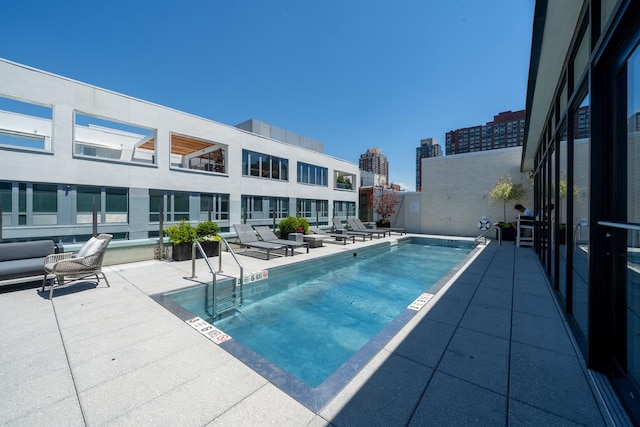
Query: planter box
x=296, y=237
x=508, y=234
x=182, y=251
x=210, y=248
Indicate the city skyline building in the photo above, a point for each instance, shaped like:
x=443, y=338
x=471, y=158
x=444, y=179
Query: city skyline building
x=506, y=130
x=376, y=162
x=429, y=147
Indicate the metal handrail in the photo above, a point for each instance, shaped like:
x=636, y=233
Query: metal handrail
x=498, y=229
x=240, y=282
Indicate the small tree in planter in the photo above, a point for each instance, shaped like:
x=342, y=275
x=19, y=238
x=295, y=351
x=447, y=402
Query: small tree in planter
x=182, y=236
x=384, y=204
x=207, y=235
x=505, y=190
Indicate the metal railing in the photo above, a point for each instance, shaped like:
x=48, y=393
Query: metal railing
x=238, y=285
x=484, y=235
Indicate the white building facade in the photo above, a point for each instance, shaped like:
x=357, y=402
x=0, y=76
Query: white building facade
x=67, y=146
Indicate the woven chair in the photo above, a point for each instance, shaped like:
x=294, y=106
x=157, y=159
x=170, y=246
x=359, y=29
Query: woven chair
x=71, y=267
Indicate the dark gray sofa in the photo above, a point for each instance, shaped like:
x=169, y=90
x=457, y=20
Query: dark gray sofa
x=24, y=259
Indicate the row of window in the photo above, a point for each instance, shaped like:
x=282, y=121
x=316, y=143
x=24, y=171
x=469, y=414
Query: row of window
x=44, y=204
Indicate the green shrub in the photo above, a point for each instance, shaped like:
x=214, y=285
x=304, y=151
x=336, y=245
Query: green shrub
x=292, y=224
x=207, y=231
x=183, y=232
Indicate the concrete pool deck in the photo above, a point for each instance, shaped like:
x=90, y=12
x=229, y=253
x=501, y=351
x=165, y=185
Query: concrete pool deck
x=491, y=349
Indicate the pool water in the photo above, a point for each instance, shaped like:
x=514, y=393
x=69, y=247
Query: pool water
x=310, y=321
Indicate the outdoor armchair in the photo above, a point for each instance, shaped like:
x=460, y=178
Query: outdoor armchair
x=72, y=267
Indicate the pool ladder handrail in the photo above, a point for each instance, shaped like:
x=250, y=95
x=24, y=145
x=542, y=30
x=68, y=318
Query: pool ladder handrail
x=484, y=235
x=196, y=246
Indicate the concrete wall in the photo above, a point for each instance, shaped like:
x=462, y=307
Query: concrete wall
x=455, y=192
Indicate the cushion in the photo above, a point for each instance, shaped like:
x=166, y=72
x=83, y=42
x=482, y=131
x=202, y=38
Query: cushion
x=25, y=250
x=88, y=248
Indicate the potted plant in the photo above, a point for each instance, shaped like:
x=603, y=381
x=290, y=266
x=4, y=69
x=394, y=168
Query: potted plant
x=505, y=190
x=207, y=235
x=182, y=235
x=292, y=224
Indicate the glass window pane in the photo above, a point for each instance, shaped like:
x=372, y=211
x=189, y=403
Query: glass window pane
x=45, y=198
x=5, y=196
x=581, y=222
x=86, y=197
x=117, y=200
x=180, y=206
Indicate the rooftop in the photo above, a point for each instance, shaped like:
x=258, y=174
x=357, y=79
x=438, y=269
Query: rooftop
x=491, y=348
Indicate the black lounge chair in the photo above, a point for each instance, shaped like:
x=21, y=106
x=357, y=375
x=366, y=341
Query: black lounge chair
x=248, y=238
x=360, y=227
x=387, y=229
x=340, y=237
x=337, y=225
x=269, y=236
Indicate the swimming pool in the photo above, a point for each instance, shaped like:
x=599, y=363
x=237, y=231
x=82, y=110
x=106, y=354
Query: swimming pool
x=308, y=320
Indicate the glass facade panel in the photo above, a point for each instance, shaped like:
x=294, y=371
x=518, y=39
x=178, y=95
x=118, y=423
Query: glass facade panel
x=180, y=206
x=5, y=196
x=45, y=198
x=562, y=213
x=633, y=216
x=156, y=201
x=311, y=174
x=580, y=202
x=264, y=166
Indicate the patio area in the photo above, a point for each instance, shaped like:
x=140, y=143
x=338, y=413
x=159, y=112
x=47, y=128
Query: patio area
x=491, y=348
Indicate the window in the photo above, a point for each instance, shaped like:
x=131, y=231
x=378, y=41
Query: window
x=174, y=203
x=264, y=166
x=86, y=197
x=316, y=211
x=344, y=180
x=106, y=139
x=217, y=204
x=252, y=207
x=344, y=209
x=314, y=175
x=24, y=125
x=6, y=202
x=111, y=204
x=278, y=207
x=45, y=204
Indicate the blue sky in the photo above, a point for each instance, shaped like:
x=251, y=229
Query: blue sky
x=351, y=74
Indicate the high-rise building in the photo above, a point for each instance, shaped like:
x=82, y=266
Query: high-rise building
x=429, y=147
x=374, y=161
x=506, y=130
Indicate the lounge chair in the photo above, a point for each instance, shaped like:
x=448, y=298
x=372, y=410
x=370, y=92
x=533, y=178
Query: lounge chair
x=388, y=229
x=358, y=226
x=72, y=267
x=247, y=237
x=269, y=236
x=337, y=225
x=340, y=237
